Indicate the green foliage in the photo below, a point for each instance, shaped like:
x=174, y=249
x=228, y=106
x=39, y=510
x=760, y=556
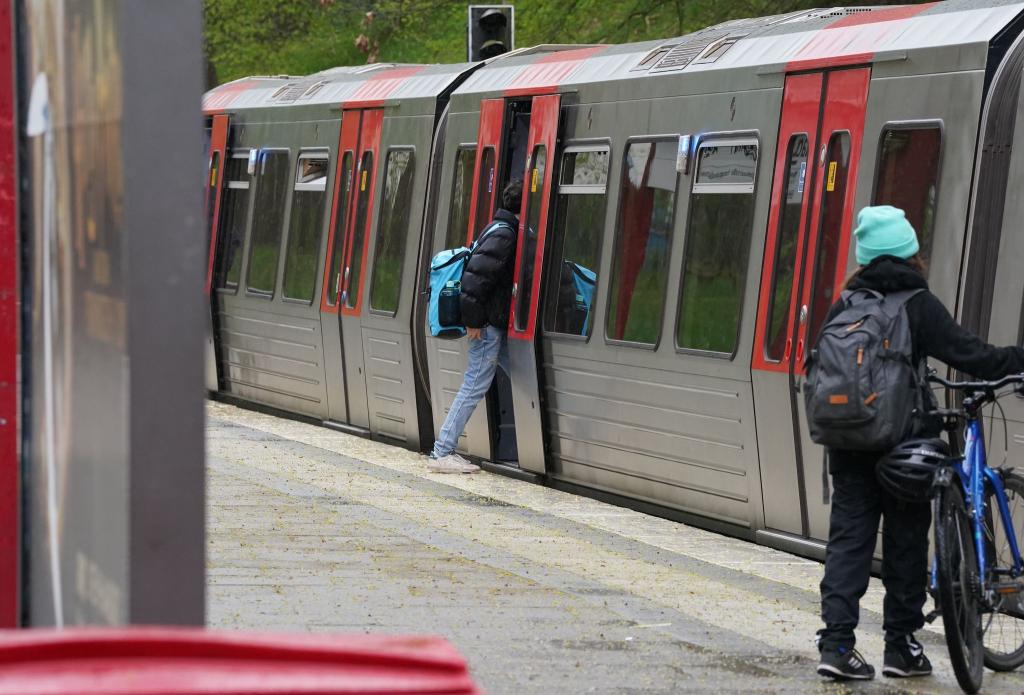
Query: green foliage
x=298, y=37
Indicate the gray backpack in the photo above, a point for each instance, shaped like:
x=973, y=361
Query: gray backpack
x=863, y=390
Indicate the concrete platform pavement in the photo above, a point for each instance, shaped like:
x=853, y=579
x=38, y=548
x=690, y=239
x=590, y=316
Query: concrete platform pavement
x=543, y=591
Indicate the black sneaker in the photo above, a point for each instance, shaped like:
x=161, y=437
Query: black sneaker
x=904, y=658
x=845, y=663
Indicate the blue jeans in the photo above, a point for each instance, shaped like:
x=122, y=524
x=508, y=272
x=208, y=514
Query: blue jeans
x=485, y=355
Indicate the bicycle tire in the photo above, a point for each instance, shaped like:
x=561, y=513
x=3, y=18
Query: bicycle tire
x=1000, y=658
x=958, y=595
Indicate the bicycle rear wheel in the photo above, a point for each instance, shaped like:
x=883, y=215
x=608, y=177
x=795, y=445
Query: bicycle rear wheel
x=958, y=584
x=1003, y=628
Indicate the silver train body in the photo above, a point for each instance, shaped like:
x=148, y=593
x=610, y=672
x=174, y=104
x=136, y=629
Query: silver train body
x=686, y=221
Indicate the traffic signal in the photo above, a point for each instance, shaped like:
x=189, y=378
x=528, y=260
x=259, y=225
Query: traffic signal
x=491, y=31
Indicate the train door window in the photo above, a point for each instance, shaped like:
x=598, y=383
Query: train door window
x=458, y=214
x=785, y=248
x=485, y=191
x=717, y=246
x=389, y=252
x=267, y=220
x=908, y=175
x=211, y=190
x=833, y=203
x=353, y=274
x=338, y=230
x=534, y=202
x=305, y=225
x=647, y=201
x=576, y=243
x=234, y=210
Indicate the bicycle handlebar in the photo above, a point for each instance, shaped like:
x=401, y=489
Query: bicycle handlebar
x=977, y=385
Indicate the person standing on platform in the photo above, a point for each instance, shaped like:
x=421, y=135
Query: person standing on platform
x=484, y=299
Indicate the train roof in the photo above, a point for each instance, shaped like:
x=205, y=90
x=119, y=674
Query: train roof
x=808, y=39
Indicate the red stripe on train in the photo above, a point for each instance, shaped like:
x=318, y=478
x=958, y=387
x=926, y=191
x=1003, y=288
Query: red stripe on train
x=550, y=70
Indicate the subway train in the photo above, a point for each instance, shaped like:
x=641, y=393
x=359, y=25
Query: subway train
x=686, y=223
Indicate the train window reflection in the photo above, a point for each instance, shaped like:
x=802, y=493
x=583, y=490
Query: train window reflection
x=833, y=204
x=353, y=272
x=345, y=176
x=785, y=248
x=534, y=186
x=717, y=246
x=642, y=242
x=267, y=220
x=908, y=176
x=305, y=226
x=392, y=231
x=576, y=243
x=485, y=192
x=231, y=234
x=462, y=190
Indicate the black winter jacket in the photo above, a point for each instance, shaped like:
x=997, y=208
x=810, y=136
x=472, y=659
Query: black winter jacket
x=934, y=333
x=487, y=278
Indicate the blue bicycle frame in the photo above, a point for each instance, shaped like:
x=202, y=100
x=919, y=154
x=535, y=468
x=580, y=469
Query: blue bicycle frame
x=973, y=473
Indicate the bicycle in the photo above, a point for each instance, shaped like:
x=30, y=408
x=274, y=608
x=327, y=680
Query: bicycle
x=977, y=575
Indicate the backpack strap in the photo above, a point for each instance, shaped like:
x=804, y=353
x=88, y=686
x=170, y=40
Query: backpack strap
x=490, y=228
x=894, y=301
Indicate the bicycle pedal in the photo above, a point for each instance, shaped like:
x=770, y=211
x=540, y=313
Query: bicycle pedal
x=930, y=618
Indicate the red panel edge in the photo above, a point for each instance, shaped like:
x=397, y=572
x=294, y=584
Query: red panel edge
x=9, y=329
x=218, y=144
x=830, y=62
x=492, y=114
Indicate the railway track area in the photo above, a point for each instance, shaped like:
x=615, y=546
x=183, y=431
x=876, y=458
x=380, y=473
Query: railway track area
x=544, y=592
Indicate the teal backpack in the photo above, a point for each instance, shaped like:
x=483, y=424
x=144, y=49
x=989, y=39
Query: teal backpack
x=444, y=313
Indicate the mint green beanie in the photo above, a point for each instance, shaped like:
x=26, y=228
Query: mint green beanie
x=883, y=230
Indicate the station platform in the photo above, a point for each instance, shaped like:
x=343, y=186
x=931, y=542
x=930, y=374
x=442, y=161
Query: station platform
x=542, y=591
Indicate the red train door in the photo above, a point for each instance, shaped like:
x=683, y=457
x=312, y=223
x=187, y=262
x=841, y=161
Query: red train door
x=524, y=356
x=330, y=325
x=485, y=172
x=214, y=187
x=354, y=271
x=808, y=240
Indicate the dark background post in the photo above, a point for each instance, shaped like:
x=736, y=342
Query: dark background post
x=113, y=311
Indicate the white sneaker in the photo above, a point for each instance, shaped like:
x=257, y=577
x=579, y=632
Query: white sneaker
x=452, y=463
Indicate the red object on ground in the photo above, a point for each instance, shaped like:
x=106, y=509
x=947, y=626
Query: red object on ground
x=182, y=661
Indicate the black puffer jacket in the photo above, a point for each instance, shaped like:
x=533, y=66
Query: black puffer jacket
x=934, y=334
x=487, y=278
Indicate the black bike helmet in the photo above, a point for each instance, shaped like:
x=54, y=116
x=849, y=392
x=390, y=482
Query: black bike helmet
x=908, y=470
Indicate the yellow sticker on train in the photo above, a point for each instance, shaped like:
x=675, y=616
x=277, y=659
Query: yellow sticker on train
x=831, y=186
x=362, y=183
x=533, y=182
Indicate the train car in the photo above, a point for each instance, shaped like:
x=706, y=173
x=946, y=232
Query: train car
x=686, y=224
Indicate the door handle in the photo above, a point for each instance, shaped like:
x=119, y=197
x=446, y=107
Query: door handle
x=789, y=350
x=799, y=350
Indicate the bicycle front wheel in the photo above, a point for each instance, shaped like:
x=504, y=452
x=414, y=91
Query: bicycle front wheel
x=958, y=587
x=1003, y=627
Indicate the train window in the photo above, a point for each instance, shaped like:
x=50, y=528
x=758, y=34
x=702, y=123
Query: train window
x=647, y=200
x=462, y=191
x=534, y=202
x=267, y=220
x=908, y=176
x=304, y=227
x=717, y=246
x=485, y=192
x=234, y=209
x=353, y=273
x=576, y=243
x=785, y=248
x=338, y=233
x=392, y=231
x=833, y=203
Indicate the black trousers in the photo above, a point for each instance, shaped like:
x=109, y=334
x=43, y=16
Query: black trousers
x=858, y=501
